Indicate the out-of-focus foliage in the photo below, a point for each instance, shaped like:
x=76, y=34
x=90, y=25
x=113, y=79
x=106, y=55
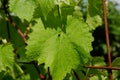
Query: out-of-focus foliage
x=114, y=29
x=114, y=33
x=99, y=45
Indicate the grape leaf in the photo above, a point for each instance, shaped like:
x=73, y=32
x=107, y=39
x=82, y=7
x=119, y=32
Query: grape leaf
x=31, y=70
x=39, y=35
x=116, y=62
x=6, y=57
x=98, y=61
x=94, y=13
x=79, y=34
x=46, y=6
x=59, y=54
x=60, y=51
x=96, y=78
x=3, y=29
x=24, y=9
x=65, y=11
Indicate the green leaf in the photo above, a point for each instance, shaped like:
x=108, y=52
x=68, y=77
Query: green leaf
x=116, y=62
x=3, y=29
x=60, y=51
x=31, y=70
x=24, y=9
x=46, y=6
x=78, y=31
x=65, y=11
x=59, y=54
x=39, y=35
x=15, y=37
x=94, y=13
x=98, y=61
x=1, y=75
x=18, y=70
x=96, y=78
x=21, y=25
x=6, y=57
x=53, y=18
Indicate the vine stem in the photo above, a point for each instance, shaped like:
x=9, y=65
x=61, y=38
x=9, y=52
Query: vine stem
x=76, y=75
x=16, y=27
x=107, y=37
x=41, y=76
x=10, y=20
